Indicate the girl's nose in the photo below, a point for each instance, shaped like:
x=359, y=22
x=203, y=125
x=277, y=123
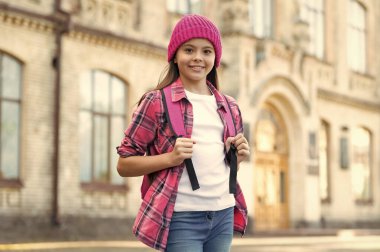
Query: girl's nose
x=197, y=56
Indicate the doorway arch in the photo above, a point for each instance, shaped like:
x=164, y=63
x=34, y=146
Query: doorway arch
x=288, y=107
x=271, y=170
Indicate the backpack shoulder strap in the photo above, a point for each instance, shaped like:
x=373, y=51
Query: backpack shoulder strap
x=231, y=155
x=231, y=125
x=175, y=119
x=173, y=112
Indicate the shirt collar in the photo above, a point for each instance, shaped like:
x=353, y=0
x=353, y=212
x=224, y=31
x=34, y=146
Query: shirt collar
x=178, y=93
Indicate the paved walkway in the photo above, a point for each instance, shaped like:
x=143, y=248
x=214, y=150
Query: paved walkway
x=345, y=241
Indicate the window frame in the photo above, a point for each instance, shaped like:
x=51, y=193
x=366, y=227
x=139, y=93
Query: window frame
x=324, y=124
x=267, y=23
x=176, y=6
x=12, y=182
x=357, y=32
x=94, y=184
x=369, y=199
x=309, y=11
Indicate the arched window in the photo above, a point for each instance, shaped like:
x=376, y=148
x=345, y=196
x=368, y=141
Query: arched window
x=10, y=113
x=313, y=12
x=356, y=41
x=361, y=164
x=102, y=123
x=261, y=17
x=324, y=168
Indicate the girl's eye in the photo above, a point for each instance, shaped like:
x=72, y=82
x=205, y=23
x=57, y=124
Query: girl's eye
x=188, y=50
x=207, y=51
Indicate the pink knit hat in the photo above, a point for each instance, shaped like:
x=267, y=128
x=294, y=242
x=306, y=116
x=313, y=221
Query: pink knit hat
x=195, y=26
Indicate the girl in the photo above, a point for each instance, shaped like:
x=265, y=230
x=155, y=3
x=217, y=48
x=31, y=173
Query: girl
x=173, y=216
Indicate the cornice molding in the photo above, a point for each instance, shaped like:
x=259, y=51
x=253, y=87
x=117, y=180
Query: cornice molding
x=51, y=23
x=26, y=21
x=348, y=100
x=103, y=38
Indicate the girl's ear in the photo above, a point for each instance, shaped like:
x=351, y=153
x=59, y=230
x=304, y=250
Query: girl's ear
x=175, y=60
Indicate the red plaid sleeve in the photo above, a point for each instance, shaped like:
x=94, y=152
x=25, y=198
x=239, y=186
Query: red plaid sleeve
x=143, y=129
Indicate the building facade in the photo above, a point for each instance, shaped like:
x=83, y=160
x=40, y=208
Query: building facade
x=306, y=75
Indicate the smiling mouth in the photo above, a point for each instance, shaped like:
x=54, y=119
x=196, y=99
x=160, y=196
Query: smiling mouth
x=197, y=68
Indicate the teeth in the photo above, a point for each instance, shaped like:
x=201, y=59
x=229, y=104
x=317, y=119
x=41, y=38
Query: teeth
x=196, y=68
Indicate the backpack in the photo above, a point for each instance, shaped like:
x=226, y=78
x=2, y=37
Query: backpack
x=175, y=119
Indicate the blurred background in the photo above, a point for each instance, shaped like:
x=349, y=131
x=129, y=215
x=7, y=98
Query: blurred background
x=306, y=74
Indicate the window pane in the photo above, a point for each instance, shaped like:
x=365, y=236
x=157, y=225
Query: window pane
x=179, y=6
x=260, y=16
x=350, y=56
x=268, y=18
x=360, y=20
x=361, y=164
x=101, y=148
x=323, y=162
x=117, y=129
x=183, y=6
x=312, y=12
x=118, y=96
x=85, y=91
x=320, y=39
x=11, y=78
x=356, y=40
x=258, y=13
x=101, y=88
x=344, y=155
x=196, y=6
x=303, y=11
x=361, y=52
x=102, y=126
x=85, y=129
x=170, y=5
x=10, y=128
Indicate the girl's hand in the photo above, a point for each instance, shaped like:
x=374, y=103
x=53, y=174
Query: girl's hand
x=183, y=149
x=241, y=144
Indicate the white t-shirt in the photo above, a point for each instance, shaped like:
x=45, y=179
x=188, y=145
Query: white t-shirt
x=208, y=160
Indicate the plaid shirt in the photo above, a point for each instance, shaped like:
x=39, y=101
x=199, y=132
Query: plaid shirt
x=150, y=133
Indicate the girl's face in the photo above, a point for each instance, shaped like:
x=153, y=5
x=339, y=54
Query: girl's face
x=195, y=59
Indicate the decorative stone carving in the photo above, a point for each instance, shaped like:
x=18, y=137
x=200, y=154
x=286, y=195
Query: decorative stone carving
x=122, y=16
x=301, y=37
x=235, y=16
x=71, y=6
x=107, y=10
x=362, y=84
x=90, y=8
x=116, y=16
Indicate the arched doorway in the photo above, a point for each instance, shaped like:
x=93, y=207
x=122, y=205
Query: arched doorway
x=271, y=171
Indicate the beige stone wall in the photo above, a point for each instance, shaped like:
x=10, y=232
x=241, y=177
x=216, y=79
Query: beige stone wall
x=129, y=39
x=139, y=67
x=341, y=187
x=32, y=43
x=305, y=90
